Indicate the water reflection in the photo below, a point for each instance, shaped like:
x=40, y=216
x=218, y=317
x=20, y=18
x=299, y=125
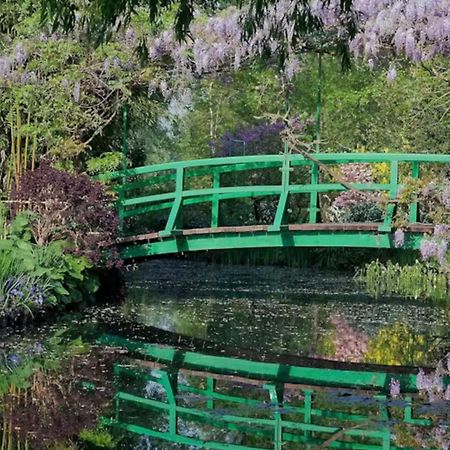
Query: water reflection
x=174, y=367
x=286, y=311
x=214, y=406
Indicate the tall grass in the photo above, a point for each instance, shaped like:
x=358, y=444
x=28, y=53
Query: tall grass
x=418, y=281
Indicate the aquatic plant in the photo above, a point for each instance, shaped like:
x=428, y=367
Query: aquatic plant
x=420, y=280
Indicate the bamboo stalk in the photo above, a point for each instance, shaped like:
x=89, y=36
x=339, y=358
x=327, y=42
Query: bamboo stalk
x=27, y=140
x=12, y=156
x=33, y=154
x=18, y=144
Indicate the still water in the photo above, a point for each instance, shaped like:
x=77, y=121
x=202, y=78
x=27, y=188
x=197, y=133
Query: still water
x=284, y=310
x=282, y=316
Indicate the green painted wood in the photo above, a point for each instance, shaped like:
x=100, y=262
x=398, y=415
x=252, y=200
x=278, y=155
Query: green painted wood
x=191, y=173
x=296, y=159
x=145, y=196
x=281, y=208
x=157, y=203
x=414, y=208
x=179, y=439
x=210, y=388
x=225, y=241
x=308, y=410
x=210, y=394
x=262, y=370
x=313, y=204
x=275, y=426
x=215, y=203
x=369, y=433
x=176, y=207
x=227, y=193
x=393, y=193
x=276, y=400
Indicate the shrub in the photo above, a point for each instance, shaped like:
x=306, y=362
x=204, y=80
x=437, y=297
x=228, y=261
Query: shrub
x=363, y=212
x=34, y=277
x=67, y=207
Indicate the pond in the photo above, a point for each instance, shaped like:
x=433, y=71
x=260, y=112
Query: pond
x=274, y=316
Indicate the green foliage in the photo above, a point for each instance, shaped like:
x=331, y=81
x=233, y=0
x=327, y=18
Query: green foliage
x=63, y=94
x=363, y=212
x=418, y=281
x=97, y=438
x=57, y=276
x=360, y=109
x=106, y=162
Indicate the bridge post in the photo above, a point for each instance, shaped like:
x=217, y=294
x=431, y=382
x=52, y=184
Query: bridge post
x=393, y=192
x=307, y=404
x=210, y=387
x=313, y=204
x=215, y=201
x=276, y=393
x=170, y=384
x=414, y=208
x=286, y=169
x=177, y=203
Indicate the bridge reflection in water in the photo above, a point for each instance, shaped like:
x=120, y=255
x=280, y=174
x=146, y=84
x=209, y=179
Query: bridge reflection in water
x=290, y=181
x=204, y=400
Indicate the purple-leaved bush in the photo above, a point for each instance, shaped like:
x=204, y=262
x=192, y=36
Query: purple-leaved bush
x=68, y=206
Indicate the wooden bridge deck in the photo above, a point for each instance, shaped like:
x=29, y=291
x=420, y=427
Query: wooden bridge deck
x=250, y=229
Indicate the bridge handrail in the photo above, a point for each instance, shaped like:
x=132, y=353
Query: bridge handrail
x=295, y=159
x=213, y=192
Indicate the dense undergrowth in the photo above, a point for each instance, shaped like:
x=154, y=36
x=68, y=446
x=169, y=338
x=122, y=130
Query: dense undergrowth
x=55, y=239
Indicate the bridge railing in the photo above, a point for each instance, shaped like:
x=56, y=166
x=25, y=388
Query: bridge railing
x=284, y=404
x=170, y=181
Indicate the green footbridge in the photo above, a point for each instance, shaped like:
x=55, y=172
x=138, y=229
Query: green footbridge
x=263, y=404
x=171, y=190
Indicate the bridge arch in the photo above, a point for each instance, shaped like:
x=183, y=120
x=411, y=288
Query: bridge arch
x=171, y=187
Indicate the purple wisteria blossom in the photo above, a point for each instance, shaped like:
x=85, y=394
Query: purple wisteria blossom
x=399, y=238
x=391, y=75
x=428, y=249
x=262, y=138
x=437, y=245
x=394, y=388
x=441, y=231
x=353, y=173
x=446, y=196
